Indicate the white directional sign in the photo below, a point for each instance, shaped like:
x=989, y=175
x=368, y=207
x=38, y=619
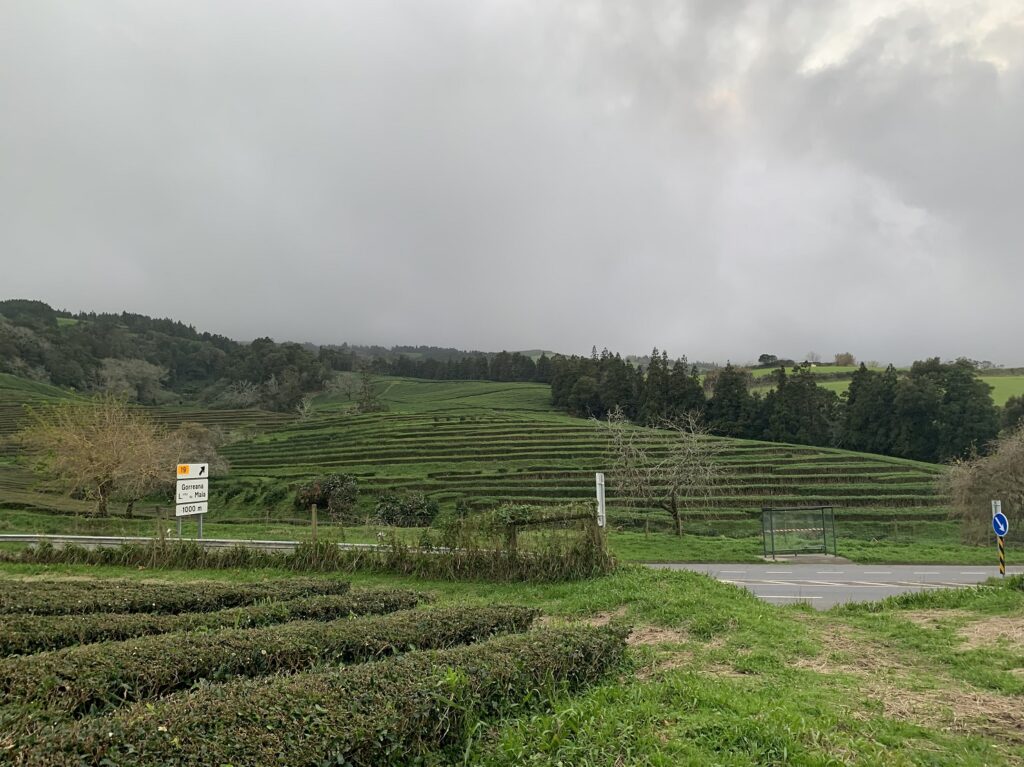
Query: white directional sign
x=188, y=509
x=192, y=490
x=193, y=470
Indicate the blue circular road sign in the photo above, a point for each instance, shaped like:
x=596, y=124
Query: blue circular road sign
x=1000, y=524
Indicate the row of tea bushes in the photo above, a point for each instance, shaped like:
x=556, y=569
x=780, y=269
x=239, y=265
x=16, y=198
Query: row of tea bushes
x=411, y=709
x=561, y=559
x=74, y=597
x=90, y=678
x=22, y=633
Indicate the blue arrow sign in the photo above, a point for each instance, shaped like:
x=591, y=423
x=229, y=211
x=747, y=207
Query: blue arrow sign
x=1000, y=524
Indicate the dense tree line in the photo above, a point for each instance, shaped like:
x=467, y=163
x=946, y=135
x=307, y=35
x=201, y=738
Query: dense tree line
x=152, y=361
x=936, y=411
x=471, y=366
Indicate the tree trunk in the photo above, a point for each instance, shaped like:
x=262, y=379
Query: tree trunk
x=130, y=509
x=102, y=499
x=676, y=517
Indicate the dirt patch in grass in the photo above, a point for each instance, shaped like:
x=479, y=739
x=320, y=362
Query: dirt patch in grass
x=955, y=709
x=993, y=630
x=651, y=635
x=603, y=619
x=845, y=651
x=930, y=619
x=889, y=681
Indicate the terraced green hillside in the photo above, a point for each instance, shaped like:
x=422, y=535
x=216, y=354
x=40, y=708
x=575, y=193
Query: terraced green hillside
x=487, y=443
x=19, y=487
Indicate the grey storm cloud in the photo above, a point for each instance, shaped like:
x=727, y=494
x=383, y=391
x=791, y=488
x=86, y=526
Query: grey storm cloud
x=719, y=178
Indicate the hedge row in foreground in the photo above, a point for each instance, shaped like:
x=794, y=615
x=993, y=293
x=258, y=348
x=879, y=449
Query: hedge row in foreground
x=573, y=559
x=65, y=597
x=395, y=712
x=78, y=680
x=21, y=634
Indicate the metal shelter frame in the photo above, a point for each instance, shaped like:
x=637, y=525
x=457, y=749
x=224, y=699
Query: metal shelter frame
x=815, y=519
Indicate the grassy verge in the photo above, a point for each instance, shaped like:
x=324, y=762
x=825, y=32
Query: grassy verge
x=719, y=677
x=905, y=541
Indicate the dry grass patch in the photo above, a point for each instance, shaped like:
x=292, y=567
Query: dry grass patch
x=931, y=619
x=958, y=709
x=846, y=651
x=603, y=619
x=993, y=630
x=651, y=635
x=888, y=681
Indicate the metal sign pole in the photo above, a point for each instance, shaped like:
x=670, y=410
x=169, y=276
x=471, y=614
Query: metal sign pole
x=1001, y=526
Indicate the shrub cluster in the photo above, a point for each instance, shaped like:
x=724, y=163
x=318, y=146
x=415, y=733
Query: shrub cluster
x=57, y=597
x=89, y=678
x=412, y=510
x=406, y=710
x=22, y=634
x=336, y=494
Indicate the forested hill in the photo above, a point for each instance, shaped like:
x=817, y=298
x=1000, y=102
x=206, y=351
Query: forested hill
x=163, y=361
x=152, y=361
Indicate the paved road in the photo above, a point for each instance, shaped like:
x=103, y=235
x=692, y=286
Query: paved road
x=823, y=586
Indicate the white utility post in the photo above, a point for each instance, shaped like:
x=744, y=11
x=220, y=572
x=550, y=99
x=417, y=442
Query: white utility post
x=599, y=477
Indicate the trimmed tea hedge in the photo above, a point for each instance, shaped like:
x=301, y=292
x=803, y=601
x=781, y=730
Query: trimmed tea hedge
x=394, y=712
x=56, y=597
x=21, y=634
x=93, y=677
x=576, y=560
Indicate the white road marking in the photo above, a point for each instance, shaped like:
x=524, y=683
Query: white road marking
x=927, y=572
x=830, y=572
x=778, y=572
x=972, y=572
x=732, y=571
x=878, y=572
x=782, y=596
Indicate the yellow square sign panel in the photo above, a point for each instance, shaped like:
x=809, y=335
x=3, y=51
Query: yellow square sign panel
x=193, y=470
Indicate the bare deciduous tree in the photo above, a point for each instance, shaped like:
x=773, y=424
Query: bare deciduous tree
x=106, y=449
x=101, y=448
x=684, y=475
x=974, y=484
x=304, y=408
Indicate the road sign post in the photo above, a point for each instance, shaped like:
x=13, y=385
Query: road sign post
x=1000, y=526
x=192, y=493
x=601, y=514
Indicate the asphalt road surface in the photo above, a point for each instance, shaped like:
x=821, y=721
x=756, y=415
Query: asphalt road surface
x=823, y=586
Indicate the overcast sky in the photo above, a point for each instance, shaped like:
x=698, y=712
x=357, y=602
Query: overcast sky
x=720, y=178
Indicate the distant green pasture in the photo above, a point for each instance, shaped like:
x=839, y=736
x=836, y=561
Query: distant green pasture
x=1003, y=387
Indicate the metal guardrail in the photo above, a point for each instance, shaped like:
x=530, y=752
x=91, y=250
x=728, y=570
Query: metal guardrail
x=111, y=541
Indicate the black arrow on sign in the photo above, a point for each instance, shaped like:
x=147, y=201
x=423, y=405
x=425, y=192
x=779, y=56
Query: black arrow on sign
x=201, y=471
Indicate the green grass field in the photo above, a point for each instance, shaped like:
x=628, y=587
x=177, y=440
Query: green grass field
x=488, y=443
x=816, y=370
x=1003, y=386
x=717, y=677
